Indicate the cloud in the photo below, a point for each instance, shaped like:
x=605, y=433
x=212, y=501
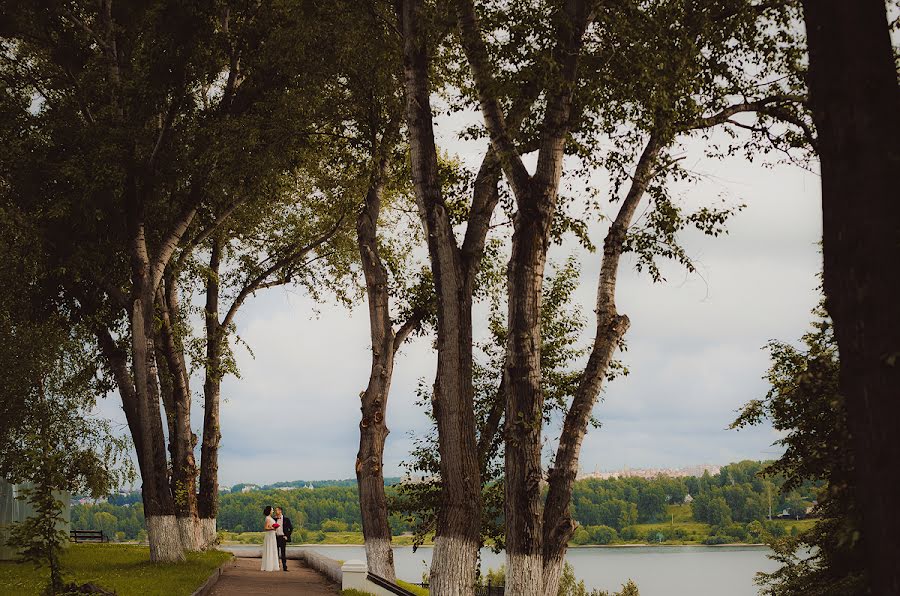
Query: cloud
x=694, y=347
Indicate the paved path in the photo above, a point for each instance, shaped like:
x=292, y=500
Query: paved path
x=243, y=578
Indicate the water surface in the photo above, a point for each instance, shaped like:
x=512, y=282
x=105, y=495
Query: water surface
x=657, y=570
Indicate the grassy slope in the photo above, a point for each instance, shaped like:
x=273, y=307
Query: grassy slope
x=125, y=569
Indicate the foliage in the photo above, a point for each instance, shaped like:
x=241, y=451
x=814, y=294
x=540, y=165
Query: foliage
x=562, y=323
x=570, y=586
x=49, y=437
x=607, y=510
x=122, y=568
x=804, y=402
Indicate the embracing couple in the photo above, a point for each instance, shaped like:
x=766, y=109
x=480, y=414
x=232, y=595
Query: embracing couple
x=277, y=534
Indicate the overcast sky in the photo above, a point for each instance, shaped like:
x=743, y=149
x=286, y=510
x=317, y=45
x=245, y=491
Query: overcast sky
x=695, y=346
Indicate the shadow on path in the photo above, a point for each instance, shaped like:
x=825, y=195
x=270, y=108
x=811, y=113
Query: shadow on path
x=243, y=577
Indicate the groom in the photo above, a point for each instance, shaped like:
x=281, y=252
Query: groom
x=283, y=535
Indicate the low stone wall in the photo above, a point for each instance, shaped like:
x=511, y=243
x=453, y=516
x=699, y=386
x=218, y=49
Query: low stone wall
x=324, y=565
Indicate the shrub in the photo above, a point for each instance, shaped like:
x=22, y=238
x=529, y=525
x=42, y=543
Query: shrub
x=581, y=536
x=603, y=535
x=334, y=525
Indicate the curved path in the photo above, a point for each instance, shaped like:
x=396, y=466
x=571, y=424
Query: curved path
x=243, y=577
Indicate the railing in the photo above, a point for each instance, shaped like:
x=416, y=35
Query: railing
x=388, y=585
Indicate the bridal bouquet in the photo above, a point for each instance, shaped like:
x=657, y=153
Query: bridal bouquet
x=276, y=526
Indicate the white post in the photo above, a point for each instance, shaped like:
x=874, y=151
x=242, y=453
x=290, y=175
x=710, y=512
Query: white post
x=354, y=575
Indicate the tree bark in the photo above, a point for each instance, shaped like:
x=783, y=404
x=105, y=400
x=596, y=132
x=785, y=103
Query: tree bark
x=458, y=520
x=181, y=438
x=208, y=501
x=558, y=525
x=855, y=99
x=373, y=429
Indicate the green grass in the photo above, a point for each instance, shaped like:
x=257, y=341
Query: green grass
x=417, y=590
x=330, y=538
x=124, y=569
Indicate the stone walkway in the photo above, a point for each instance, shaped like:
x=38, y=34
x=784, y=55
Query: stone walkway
x=243, y=578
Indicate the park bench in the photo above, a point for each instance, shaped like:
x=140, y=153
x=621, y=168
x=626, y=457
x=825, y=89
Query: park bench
x=88, y=536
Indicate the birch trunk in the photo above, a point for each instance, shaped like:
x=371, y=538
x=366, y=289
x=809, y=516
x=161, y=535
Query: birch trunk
x=855, y=98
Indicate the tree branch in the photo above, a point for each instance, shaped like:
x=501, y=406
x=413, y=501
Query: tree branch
x=292, y=257
x=501, y=140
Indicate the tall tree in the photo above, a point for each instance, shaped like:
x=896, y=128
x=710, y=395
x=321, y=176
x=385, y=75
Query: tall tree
x=805, y=403
x=454, y=268
x=145, y=124
x=854, y=94
x=298, y=236
x=647, y=77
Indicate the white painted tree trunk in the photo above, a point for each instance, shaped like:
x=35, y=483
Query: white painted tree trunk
x=453, y=567
x=208, y=532
x=189, y=533
x=524, y=574
x=380, y=557
x=164, y=538
x=552, y=574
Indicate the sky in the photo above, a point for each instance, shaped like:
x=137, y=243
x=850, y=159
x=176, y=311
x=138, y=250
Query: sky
x=695, y=348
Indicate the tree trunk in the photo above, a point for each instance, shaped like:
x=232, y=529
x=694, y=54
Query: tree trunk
x=524, y=397
x=855, y=99
x=536, y=201
x=558, y=525
x=372, y=427
x=208, y=502
x=458, y=521
x=181, y=438
x=159, y=504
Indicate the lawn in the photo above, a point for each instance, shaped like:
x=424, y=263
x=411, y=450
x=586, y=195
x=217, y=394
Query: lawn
x=124, y=569
x=311, y=538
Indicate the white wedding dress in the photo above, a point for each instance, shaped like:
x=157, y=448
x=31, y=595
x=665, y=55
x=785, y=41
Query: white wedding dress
x=269, y=548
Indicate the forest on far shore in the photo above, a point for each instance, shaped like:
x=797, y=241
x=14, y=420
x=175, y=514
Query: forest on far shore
x=728, y=507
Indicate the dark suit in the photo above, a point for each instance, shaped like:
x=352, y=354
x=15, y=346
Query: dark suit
x=282, y=541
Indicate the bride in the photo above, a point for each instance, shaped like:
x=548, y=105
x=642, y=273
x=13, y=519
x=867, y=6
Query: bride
x=269, y=549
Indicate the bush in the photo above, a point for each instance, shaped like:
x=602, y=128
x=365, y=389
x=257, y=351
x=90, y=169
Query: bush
x=334, y=525
x=581, y=536
x=603, y=535
x=630, y=533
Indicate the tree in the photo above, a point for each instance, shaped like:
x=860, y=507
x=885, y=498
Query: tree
x=806, y=403
x=854, y=94
x=49, y=385
x=454, y=268
x=562, y=323
x=666, y=54
x=141, y=128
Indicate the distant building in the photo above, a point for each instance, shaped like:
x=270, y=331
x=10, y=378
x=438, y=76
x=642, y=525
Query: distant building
x=309, y=486
x=650, y=473
x=250, y=487
x=688, y=498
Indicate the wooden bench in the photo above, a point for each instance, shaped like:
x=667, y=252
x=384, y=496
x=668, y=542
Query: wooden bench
x=88, y=536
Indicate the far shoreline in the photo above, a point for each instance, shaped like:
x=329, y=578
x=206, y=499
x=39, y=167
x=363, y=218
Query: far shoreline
x=579, y=546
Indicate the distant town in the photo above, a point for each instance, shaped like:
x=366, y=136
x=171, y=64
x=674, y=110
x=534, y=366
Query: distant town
x=650, y=473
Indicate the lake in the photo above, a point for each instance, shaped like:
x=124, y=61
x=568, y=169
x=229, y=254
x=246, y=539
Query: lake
x=657, y=570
